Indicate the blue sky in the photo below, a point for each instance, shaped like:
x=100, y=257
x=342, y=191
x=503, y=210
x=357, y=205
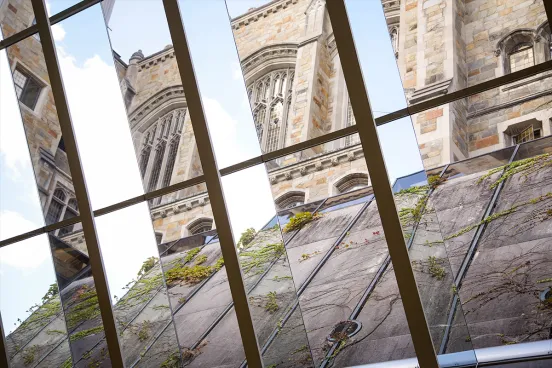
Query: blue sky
x=96, y=108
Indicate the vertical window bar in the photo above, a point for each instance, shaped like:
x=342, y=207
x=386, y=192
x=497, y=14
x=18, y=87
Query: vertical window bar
x=408, y=289
x=214, y=186
x=81, y=192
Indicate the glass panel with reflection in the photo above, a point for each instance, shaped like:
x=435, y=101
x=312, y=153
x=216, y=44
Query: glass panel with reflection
x=29, y=106
x=31, y=307
x=145, y=99
x=496, y=223
x=140, y=302
x=197, y=283
x=79, y=297
x=340, y=260
x=265, y=264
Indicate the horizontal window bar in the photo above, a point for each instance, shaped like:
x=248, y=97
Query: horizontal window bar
x=77, y=8
x=466, y=92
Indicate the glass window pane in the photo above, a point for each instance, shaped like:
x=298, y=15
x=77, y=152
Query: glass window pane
x=232, y=128
x=269, y=283
x=198, y=288
x=78, y=296
x=496, y=228
x=101, y=127
x=447, y=45
x=340, y=260
x=138, y=292
x=20, y=207
x=38, y=118
x=146, y=100
x=32, y=313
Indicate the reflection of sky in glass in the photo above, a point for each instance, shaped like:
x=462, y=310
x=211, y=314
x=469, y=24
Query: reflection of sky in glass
x=104, y=139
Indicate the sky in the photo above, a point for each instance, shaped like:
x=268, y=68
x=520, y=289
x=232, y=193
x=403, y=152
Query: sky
x=104, y=140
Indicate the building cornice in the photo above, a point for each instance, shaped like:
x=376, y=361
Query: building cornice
x=179, y=206
x=261, y=12
x=316, y=163
x=156, y=58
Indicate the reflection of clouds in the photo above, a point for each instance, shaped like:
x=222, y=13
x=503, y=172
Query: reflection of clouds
x=58, y=32
x=30, y=253
x=248, y=199
x=236, y=71
x=126, y=241
x=222, y=128
x=101, y=127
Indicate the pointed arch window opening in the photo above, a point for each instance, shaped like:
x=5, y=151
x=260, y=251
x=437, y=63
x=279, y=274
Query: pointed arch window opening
x=63, y=206
x=270, y=98
x=165, y=136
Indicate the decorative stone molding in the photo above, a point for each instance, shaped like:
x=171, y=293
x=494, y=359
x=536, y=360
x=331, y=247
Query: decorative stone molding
x=183, y=205
x=261, y=12
x=505, y=105
x=316, y=163
x=267, y=58
x=514, y=38
x=154, y=102
x=430, y=91
x=154, y=59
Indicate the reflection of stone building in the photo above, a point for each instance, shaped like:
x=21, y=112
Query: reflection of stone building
x=297, y=92
x=447, y=45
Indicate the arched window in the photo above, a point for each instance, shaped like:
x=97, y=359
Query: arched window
x=289, y=200
x=352, y=182
x=521, y=57
x=517, y=50
x=200, y=226
x=72, y=210
x=57, y=205
x=270, y=97
x=163, y=138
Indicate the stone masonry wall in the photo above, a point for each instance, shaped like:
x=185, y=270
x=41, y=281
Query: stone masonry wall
x=487, y=22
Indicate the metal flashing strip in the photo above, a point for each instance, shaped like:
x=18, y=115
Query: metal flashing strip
x=469, y=256
x=375, y=162
x=213, y=182
x=485, y=357
x=79, y=183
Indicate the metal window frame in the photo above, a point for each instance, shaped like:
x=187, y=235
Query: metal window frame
x=367, y=130
x=213, y=183
x=368, y=136
x=79, y=183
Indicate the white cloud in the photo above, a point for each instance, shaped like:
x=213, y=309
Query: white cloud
x=29, y=253
x=102, y=130
x=236, y=71
x=58, y=32
x=222, y=128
